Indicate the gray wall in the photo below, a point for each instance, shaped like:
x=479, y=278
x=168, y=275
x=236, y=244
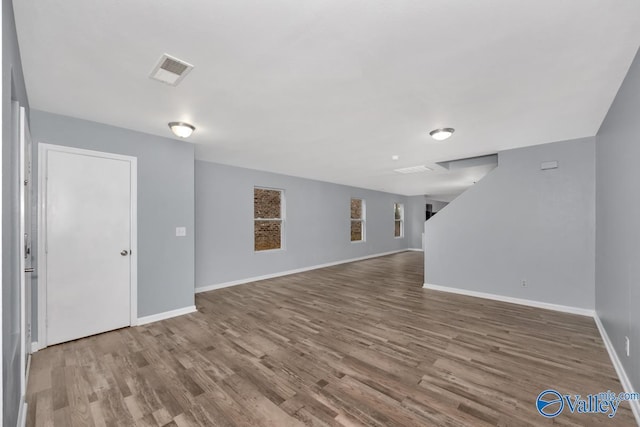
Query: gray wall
x=618, y=222
x=522, y=223
x=165, y=201
x=415, y=217
x=12, y=87
x=316, y=228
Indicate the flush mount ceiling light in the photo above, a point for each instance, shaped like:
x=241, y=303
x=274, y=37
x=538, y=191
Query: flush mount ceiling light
x=395, y=157
x=181, y=129
x=441, y=134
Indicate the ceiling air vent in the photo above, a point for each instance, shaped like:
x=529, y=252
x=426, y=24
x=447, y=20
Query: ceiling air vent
x=413, y=169
x=170, y=70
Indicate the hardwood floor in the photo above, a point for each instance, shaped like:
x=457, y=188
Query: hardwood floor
x=354, y=344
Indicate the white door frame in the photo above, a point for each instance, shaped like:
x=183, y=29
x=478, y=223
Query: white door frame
x=23, y=135
x=43, y=150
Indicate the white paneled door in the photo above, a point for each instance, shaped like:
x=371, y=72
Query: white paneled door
x=88, y=243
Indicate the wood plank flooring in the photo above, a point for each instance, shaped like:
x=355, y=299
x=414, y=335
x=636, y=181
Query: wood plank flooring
x=355, y=344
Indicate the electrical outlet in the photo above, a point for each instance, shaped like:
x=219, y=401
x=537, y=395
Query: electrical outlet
x=627, y=345
x=181, y=231
x=524, y=283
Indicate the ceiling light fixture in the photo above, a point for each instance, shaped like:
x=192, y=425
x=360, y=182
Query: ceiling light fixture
x=441, y=134
x=181, y=129
x=395, y=157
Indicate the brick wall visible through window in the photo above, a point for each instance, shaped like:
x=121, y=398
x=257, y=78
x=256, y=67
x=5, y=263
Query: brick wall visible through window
x=358, y=212
x=268, y=219
x=398, y=213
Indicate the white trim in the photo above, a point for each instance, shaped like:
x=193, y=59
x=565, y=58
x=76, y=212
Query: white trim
x=288, y=272
x=166, y=315
x=617, y=364
x=26, y=183
x=401, y=236
x=520, y=301
x=362, y=220
x=416, y=249
x=613, y=355
x=282, y=219
x=28, y=367
x=41, y=268
x=3, y=94
x=22, y=414
x=43, y=149
x=133, y=239
x=34, y=347
x=21, y=134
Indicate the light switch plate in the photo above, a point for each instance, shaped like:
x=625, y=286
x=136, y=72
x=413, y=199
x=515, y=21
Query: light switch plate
x=181, y=231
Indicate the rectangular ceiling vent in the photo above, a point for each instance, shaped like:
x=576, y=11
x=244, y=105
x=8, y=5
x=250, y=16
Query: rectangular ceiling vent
x=413, y=169
x=170, y=70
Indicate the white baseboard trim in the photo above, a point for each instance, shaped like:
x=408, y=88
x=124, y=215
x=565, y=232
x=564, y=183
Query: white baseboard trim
x=615, y=360
x=521, y=301
x=166, y=315
x=288, y=272
x=26, y=384
x=617, y=364
x=22, y=414
x=416, y=249
x=34, y=347
x=24, y=406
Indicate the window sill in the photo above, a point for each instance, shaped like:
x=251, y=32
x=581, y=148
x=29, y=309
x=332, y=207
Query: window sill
x=269, y=251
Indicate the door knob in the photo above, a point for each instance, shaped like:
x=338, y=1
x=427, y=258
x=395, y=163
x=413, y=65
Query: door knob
x=124, y=252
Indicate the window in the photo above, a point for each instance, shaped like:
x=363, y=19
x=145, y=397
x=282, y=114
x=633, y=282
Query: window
x=398, y=212
x=357, y=220
x=267, y=219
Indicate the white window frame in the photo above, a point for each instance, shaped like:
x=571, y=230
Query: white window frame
x=362, y=219
x=401, y=220
x=283, y=211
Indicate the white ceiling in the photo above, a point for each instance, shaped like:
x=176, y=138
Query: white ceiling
x=331, y=89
